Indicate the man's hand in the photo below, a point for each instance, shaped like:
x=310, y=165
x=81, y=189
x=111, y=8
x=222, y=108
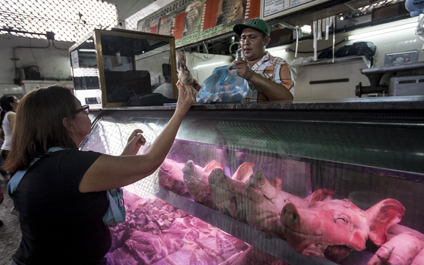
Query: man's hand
x=135, y=141
x=243, y=70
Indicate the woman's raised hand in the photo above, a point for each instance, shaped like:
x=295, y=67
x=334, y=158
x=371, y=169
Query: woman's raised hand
x=185, y=99
x=135, y=141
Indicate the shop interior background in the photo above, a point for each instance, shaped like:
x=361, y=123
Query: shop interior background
x=51, y=58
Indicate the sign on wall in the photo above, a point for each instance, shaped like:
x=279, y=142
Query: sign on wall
x=277, y=8
x=190, y=21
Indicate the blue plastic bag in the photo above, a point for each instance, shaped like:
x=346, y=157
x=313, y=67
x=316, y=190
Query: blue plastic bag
x=224, y=86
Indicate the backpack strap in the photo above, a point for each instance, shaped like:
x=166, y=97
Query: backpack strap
x=117, y=214
x=17, y=177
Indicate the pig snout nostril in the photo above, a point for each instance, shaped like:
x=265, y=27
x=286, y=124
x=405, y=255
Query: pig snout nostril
x=294, y=217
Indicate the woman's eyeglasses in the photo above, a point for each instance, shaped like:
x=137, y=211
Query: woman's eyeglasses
x=85, y=108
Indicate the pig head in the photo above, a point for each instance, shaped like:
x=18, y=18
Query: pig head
x=171, y=177
x=333, y=228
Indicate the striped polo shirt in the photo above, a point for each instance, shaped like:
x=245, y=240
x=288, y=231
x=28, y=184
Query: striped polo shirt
x=274, y=69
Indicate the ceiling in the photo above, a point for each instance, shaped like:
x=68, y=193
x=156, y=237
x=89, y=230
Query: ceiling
x=127, y=8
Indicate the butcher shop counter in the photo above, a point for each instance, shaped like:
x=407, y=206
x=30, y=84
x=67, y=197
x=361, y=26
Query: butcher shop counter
x=225, y=155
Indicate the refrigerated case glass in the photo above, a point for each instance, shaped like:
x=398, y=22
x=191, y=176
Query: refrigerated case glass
x=362, y=158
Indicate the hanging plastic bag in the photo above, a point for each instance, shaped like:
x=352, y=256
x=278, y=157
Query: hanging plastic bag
x=224, y=86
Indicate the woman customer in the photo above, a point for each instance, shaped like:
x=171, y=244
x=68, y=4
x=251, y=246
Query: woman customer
x=8, y=104
x=62, y=197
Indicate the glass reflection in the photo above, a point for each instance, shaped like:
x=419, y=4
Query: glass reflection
x=135, y=67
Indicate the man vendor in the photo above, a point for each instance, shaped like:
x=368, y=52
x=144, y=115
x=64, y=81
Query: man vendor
x=269, y=77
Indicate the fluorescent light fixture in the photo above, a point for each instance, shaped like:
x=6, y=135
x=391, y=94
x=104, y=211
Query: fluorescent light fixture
x=87, y=50
x=209, y=64
x=279, y=53
x=306, y=29
x=382, y=31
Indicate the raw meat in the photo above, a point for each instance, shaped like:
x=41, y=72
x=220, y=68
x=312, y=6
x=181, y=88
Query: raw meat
x=253, y=256
x=263, y=203
x=228, y=193
x=190, y=254
x=196, y=181
x=244, y=171
x=184, y=74
x=404, y=246
x=121, y=256
x=171, y=177
x=229, y=244
x=333, y=228
x=185, y=78
x=256, y=202
x=157, y=233
x=147, y=247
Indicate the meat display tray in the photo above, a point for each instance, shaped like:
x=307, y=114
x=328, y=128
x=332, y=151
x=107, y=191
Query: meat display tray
x=274, y=246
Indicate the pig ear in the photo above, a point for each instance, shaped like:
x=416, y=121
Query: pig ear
x=319, y=195
x=212, y=165
x=381, y=217
x=244, y=171
x=277, y=183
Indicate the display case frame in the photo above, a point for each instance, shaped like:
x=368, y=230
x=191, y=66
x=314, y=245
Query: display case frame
x=97, y=36
x=345, y=146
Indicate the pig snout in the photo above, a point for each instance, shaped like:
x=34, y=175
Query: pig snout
x=290, y=217
x=257, y=179
x=189, y=167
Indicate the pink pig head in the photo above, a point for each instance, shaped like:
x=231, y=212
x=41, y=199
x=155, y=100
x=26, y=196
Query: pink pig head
x=333, y=228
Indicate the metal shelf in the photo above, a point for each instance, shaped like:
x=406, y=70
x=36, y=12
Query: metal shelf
x=336, y=60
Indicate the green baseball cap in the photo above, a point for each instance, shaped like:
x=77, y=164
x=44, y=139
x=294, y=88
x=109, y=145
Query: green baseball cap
x=254, y=23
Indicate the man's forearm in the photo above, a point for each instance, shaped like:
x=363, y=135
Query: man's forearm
x=272, y=90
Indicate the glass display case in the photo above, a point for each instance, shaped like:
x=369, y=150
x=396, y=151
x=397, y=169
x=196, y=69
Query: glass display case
x=226, y=165
x=121, y=68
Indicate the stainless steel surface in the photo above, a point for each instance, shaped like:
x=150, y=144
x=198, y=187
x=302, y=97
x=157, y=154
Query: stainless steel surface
x=393, y=68
x=401, y=57
x=406, y=85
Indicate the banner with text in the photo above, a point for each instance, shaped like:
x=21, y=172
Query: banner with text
x=190, y=21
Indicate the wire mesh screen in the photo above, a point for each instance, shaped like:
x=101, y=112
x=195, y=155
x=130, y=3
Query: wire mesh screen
x=69, y=20
x=110, y=137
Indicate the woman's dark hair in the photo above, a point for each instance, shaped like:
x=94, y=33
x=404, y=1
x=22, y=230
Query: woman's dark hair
x=5, y=102
x=39, y=125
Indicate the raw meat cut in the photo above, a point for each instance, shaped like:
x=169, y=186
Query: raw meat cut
x=196, y=181
x=184, y=74
x=158, y=233
x=253, y=256
x=185, y=79
x=333, y=228
x=146, y=246
x=171, y=177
